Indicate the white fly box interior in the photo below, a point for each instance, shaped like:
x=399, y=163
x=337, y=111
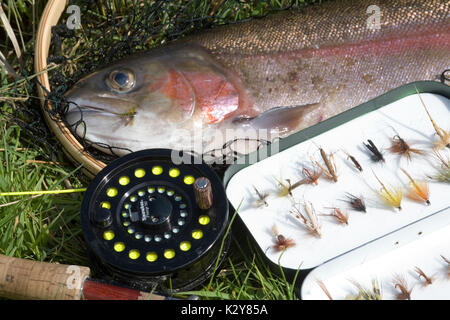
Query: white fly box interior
x=416, y=258
x=309, y=217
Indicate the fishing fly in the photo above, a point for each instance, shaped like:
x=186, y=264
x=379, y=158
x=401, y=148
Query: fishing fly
x=283, y=187
x=354, y=161
x=340, y=216
x=372, y=293
x=443, y=170
x=448, y=265
x=418, y=190
x=330, y=169
x=324, y=288
x=286, y=188
x=401, y=147
x=261, y=201
x=376, y=155
x=427, y=280
x=281, y=242
x=444, y=136
x=356, y=203
x=311, y=177
x=391, y=196
x=399, y=282
x=309, y=220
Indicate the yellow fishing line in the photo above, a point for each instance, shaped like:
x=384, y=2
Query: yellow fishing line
x=29, y=193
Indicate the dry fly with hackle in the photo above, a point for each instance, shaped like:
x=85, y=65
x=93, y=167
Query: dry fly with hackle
x=401, y=147
x=340, y=216
x=311, y=176
x=262, y=198
x=356, y=203
x=281, y=242
x=403, y=290
x=418, y=190
x=310, y=219
x=427, y=280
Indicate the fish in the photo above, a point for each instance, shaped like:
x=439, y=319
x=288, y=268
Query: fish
x=263, y=78
x=159, y=99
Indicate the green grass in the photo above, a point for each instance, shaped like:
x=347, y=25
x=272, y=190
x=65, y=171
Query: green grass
x=36, y=227
x=47, y=228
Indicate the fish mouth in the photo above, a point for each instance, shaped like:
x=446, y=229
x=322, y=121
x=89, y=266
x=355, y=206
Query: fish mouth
x=79, y=107
x=77, y=115
x=84, y=108
x=76, y=112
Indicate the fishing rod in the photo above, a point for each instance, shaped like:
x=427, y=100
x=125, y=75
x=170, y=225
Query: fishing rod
x=35, y=280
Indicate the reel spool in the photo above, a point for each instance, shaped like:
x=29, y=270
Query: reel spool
x=144, y=228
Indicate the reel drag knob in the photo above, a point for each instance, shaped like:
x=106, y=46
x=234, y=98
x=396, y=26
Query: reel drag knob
x=203, y=193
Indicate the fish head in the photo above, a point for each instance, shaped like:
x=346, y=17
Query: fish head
x=137, y=96
x=136, y=101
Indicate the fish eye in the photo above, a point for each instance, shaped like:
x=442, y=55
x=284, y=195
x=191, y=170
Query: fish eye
x=121, y=80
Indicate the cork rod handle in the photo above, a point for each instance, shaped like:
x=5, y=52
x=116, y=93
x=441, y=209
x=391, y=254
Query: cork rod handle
x=34, y=280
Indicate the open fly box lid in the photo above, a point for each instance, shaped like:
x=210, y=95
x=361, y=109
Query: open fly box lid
x=398, y=112
x=144, y=226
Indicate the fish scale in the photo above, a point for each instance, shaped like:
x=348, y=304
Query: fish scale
x=319, y=25
x=332, y=56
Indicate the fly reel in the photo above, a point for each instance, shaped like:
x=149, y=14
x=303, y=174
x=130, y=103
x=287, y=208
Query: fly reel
x=148, y=226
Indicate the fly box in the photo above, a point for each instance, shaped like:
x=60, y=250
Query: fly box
x=347, y=182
